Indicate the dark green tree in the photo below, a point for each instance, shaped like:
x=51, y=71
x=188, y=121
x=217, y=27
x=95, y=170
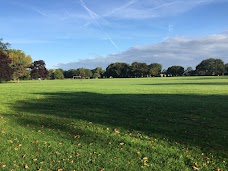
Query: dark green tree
x=70, y=73
x=211, y=66
x=139, y=69
x=154, y=69
x=118, y=70
x=98, y=72
x=6, y=71
x=188, y=71
x=175, y=71
x=226, y=69
x=38, y=70
x=84, y=73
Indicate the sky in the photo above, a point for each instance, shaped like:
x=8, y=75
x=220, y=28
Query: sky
x=71, y=34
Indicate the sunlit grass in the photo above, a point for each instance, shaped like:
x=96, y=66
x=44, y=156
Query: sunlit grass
x=115, y=124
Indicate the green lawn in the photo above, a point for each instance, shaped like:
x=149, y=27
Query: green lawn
x=115, y=124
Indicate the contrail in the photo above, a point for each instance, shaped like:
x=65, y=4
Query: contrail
x=122, y=7
x=95, y=17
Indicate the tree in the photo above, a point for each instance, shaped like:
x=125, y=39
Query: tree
x=5, y=69
x=139, y=69
x=4, y=46
x=154, y=69
x=188, y=71
x=70, y=73
x=56, y=74
x=118, y=70
x=19, y=63
x=38, y=70
x=97, y=72
x=175, y=71
x=84, y=73
x=226, y=69
x=211, y=66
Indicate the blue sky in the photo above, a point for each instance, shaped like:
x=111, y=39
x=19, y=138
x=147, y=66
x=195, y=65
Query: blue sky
x=90, y=33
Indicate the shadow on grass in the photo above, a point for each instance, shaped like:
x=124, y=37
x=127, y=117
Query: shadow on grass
x=188, y=119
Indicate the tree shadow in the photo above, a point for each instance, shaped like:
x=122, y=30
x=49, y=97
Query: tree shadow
x=188, y=119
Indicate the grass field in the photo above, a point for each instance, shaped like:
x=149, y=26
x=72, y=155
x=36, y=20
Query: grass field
x=115, y=124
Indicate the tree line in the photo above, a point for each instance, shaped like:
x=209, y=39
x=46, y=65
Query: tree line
x=16, y=65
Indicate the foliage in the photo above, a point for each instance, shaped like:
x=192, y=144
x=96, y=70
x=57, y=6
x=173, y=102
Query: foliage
x=4, y=46
x=226, y=69
x=98, y=72
x=118, y=70
x=175, y=70
x=70, y=73
x=154, y=69
x=38, y=70
x=56, y=74
x=84, y=73
x=211, y=67
x=5, y=69
x=115, y=124
x=139, y=69
x=19, y=63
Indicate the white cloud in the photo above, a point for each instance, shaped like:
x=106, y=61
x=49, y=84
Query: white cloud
x=183, y=51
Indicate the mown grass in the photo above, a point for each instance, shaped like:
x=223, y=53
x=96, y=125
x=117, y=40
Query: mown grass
x=115, y=124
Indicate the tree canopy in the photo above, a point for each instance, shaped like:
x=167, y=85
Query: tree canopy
x=38, y=70
x=211, y=66
x=154, y=69
x=139, y=69
x=118, y=70
x=175, y=70
x=6, y=71
x=19, y=63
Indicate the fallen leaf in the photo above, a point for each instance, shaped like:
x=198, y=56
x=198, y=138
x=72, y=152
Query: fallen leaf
x=121, y=143
x=116, y=131
x=145, y=158
x=218, y=169
x=196, y=165
x=195, y=168
x=26, y=166
x=77, y=136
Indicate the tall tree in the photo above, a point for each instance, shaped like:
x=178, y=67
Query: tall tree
x=175, y=70
x=139, y=69
x=19, y=63
x=97, y=72
x=154, y=69
x=118, y=70
x=226, y=69
x=5, y=69
x=211, y=66
x=70, y=73
x=38, y=70
x=56, y=74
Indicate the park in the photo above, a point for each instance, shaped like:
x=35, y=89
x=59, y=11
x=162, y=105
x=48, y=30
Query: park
x=173, y=123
